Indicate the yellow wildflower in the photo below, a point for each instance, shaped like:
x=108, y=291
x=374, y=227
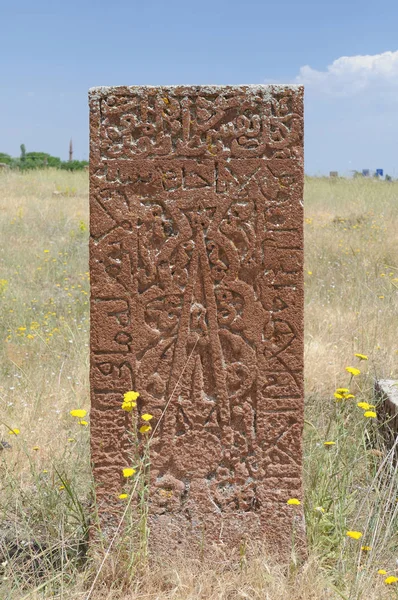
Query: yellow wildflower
x=319, y=509
x=382, y=572
x=84, y=423
x=129, y=472
x=21, y=328
x=129, y=400
x=343, y=393
x=145, y=428
x=146, y=417
x=355, y=535
x=293, y=501
x=361, y=356
x=71, y=440
x=353, y=371
x=130, y=396
x=30, y=336
x=329, y=443
x=391, y=579
x=309, y=272
x=363, y=405
x=123, y=496
x=78, y=412
x=61, y=487
x=128, y=406
x=35, y=448
x=370, y=414
x=366, y=548
x=14, y=432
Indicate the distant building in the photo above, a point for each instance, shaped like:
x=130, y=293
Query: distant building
x=365, y=172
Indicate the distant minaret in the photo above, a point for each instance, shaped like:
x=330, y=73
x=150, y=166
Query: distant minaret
x=70, y=150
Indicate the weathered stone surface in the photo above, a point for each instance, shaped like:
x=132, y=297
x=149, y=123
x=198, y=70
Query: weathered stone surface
x=387, y=391
x=197, y=303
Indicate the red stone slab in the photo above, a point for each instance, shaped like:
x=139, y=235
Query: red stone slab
x=196, y=261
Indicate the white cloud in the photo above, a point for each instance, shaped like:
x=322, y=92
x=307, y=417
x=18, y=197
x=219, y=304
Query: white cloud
x=349, y=75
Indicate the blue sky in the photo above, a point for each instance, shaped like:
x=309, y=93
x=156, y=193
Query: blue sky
x=52, y=53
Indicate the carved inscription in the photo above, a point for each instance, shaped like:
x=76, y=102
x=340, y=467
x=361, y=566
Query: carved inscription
x=197, y=303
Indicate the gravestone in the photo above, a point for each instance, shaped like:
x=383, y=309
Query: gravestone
x=387, y=391
x=196, y=264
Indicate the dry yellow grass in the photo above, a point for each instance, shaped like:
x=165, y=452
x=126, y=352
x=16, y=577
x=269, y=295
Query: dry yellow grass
x=351, y=306
x=351, y=295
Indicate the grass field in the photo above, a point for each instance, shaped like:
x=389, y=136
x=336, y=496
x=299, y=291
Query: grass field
x=351, y=281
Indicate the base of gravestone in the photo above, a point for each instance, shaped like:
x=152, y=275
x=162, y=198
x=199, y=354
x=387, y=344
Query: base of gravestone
x=193, y=533
x=236, y=536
